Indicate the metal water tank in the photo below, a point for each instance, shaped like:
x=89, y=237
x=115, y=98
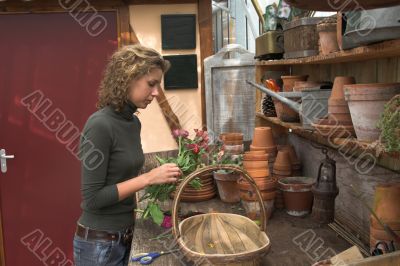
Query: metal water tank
x=230, y=101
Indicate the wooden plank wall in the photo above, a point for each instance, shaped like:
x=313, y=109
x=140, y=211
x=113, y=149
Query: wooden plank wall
x=379, y=70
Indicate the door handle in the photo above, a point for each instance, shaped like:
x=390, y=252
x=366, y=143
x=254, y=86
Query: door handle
x=7, y=156
x=3, y=160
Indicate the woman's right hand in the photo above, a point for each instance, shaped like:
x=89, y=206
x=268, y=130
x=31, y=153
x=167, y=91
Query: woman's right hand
x=166, y=173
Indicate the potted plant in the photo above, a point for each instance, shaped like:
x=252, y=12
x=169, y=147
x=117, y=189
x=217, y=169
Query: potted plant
x=192, y=154
x=226, y=180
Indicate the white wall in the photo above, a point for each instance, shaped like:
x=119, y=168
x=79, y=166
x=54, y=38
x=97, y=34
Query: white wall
x=186, y=103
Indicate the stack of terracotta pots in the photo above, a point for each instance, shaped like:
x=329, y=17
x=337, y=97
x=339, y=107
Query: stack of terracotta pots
x=295, y=162
x=207, y=191
x=387, y=208
x=263, y=141
x=338, y=123
x=289, y=81
x=282, y=168
x=305, y=85
x=228, y=188
x=256, y=165
x=233, y=142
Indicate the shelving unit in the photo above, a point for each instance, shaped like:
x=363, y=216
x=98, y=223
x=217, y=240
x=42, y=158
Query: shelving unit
x=378, y=62
x=347, y=62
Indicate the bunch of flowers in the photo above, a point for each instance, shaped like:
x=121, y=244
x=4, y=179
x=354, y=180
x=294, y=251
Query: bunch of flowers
x=192, y=154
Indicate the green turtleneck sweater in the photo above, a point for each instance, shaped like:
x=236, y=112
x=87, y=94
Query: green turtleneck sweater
x=110, y=152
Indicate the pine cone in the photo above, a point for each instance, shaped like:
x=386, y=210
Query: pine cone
x=268, y=106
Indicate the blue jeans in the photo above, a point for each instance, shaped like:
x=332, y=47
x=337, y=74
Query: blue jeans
x=100, y=252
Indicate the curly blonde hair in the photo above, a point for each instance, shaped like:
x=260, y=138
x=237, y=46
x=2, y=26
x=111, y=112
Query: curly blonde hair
x=128, y=63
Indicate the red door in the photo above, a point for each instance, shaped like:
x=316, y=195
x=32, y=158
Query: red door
x=50, y=71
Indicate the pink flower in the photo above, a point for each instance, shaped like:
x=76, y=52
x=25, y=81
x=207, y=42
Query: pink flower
x=184, y=133
x=167, y=222
x=194, y=147
x=176, y=133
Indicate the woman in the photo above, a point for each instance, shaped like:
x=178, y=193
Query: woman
x=110, y=179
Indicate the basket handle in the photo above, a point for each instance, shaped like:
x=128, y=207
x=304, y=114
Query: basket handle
x=232, y=167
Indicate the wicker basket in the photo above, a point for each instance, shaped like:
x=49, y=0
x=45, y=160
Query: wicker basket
x=220, y=238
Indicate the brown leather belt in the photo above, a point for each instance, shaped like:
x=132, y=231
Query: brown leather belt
x=91, y=234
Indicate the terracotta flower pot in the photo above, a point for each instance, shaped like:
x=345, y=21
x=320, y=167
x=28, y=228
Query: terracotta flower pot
x=282, y=168
x=262, y=149
x=228, y=189
x=288, y=81
x=233, y=142
x=337, y=102
x=342, y=119
x=255, y=157
x=234, y=149
x=337, y=89
x=262, y=137
x=387, y=205
x=258, y=173
x=339, y=109
x=257, y=152
x=292, y=153
x=250, y=165
x=304, y=85
x=231, y=136
x=263, y=184
x=282, y=161
x=375, y=224
x=206, y=192
x=271, y=151
x=381, y=234
x=297, y=194
x=284, y=173
x=366, y=103
x=266, y=186
x=328, y=36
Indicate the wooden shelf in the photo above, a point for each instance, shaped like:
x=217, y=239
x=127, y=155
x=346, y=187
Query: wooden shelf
x=347, y=146
x=373, y=51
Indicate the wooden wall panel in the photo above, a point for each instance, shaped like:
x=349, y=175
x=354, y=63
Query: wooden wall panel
x=379, y=70
x=387, y=69
x=206, y=47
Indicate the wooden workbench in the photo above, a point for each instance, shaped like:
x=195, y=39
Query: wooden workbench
x=282, y=229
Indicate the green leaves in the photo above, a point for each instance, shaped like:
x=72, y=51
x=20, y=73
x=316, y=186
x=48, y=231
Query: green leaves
x=155, y=213
x=389, y=123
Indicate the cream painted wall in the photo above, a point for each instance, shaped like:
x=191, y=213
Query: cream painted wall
x=186, y=103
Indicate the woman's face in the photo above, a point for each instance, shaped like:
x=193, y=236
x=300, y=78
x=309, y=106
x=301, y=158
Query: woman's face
x=143, y=90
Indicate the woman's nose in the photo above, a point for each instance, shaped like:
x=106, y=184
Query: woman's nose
x=156, y=91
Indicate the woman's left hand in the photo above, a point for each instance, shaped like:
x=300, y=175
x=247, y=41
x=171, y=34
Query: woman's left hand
x=166, y=173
